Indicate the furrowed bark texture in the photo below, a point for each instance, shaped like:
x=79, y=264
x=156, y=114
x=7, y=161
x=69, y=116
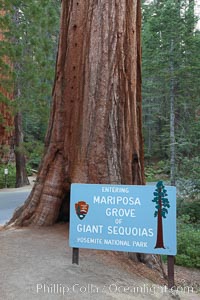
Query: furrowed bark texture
x=6, y=116
x=94, y=133
x=6, y=132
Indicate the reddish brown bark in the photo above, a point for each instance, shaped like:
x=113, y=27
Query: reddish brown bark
x=6, y=117
x=6, y=134
x=94, y=133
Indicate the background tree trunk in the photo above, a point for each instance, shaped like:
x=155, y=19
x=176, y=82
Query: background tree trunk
x=21, y=174
x=95, y=132
x=172, y=118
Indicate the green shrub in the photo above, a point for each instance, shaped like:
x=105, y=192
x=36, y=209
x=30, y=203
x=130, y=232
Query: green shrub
x=191, y=209
x=9, y=180
x=150, y=174
x=188, y=243
x=188, y=168
x=34, y=152
x=153, y=172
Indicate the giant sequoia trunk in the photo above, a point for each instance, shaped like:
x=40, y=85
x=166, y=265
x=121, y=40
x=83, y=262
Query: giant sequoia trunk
x=6, y=133
x=94, y=133
x=6, y=117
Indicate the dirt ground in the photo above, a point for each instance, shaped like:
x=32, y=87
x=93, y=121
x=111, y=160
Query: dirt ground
x=36, y=263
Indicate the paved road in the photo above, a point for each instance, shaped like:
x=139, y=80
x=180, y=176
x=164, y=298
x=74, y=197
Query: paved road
x=9, y=201
x=13, y=198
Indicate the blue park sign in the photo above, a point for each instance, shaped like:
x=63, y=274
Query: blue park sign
x=123, y=218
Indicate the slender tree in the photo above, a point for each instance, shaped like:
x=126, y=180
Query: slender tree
x=94, y=133
x=172, y=116
x=31, y=40
x=170, y=80
x=21, y=173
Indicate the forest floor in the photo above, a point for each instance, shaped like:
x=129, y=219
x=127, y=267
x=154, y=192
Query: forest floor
x=36, y=263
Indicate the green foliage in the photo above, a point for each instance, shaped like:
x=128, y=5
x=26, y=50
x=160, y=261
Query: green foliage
x=150, y=174
x=191, y=209
x=8, y=180
x=4, y=150
x=164, y=47
x=31, y=32
x=188, y=168
x=34, y=152
x=188, y=241
x=188, y=200
x=189, y=189
x=157, y=170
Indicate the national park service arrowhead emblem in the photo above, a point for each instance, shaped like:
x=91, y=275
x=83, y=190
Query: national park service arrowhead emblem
x=81, y=209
